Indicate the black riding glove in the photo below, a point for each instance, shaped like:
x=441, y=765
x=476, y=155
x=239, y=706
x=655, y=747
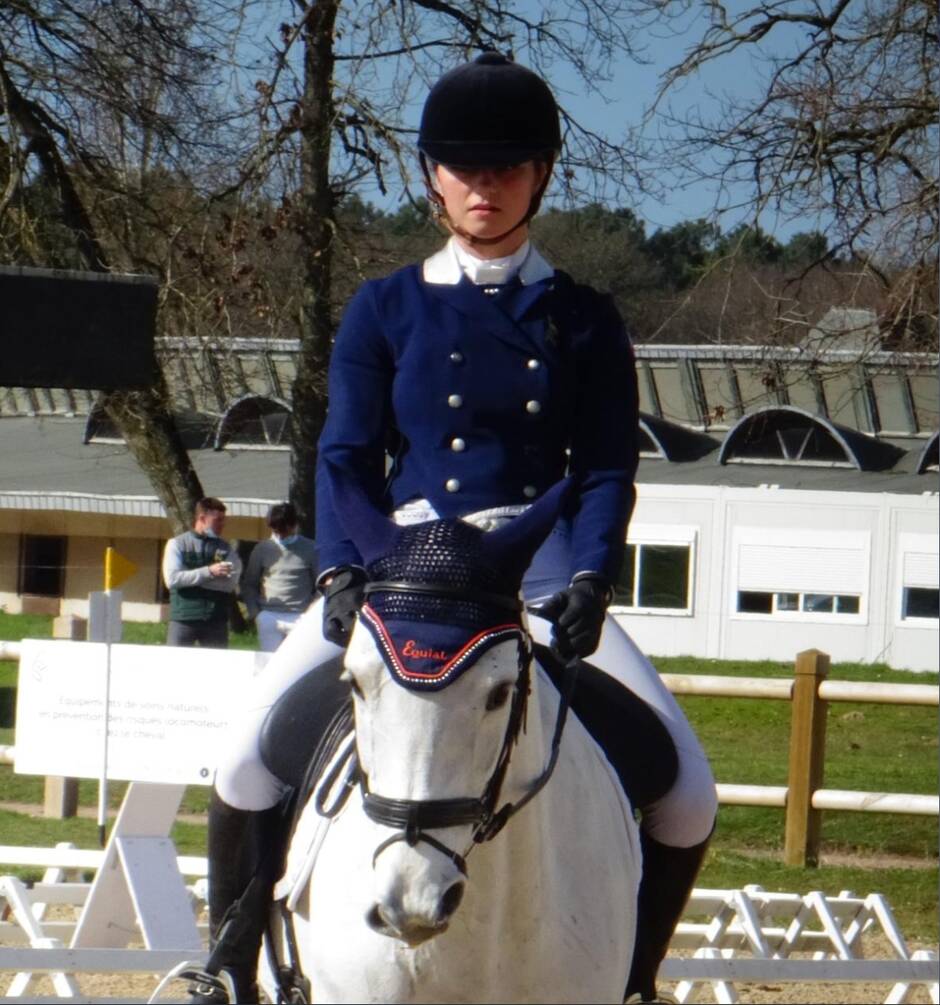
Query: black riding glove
x=578, y=615
x=343, y=598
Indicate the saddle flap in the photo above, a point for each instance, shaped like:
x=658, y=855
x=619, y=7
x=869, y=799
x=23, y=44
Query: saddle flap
x=299, y=719
x=624, y=726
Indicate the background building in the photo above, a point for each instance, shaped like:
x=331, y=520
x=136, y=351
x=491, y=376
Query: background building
x=787, y=498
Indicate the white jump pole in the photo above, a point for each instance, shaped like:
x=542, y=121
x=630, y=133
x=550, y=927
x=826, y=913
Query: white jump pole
x=104, y=625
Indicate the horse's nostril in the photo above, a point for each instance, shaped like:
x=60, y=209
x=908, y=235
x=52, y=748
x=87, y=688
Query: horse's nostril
x=451, y=899
x=376, y=921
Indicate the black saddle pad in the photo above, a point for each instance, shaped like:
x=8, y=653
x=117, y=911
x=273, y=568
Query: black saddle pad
x=630, y=733
x=299, y=720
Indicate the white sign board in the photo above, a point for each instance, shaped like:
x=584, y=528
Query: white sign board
x=168, y=709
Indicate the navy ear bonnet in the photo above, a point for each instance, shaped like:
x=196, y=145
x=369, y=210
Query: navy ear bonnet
x=428, y=639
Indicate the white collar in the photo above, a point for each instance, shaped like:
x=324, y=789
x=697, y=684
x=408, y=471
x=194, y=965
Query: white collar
x=448, y=266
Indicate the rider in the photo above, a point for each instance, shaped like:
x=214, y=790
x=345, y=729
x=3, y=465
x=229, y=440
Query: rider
x=495, y=374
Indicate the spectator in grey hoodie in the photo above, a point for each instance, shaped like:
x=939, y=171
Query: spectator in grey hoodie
x=280, y=579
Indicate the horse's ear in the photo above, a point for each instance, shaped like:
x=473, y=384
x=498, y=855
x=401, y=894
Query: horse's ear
x=370, y=531
x=512, y=547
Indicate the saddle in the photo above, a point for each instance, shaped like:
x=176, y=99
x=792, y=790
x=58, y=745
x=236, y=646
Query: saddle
x=630, y=733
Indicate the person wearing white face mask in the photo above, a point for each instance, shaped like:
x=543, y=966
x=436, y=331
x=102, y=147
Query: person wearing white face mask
x=280, y=578
x=201, y=570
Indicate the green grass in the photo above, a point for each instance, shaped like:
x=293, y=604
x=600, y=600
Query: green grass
x=869, y=747
x=14, y=627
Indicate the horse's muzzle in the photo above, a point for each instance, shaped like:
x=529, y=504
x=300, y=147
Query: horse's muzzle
x=410, y=929
x=413, y=934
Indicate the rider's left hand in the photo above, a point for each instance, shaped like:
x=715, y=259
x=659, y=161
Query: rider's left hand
x=578, y=615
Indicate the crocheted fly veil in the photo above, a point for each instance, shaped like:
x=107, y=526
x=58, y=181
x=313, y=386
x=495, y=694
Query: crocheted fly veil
x=428, y=639
x=441, y=593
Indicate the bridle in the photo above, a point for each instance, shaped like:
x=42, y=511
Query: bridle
x=413, y=818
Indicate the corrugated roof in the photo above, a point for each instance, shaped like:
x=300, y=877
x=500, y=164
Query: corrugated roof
x=46, y=466
x=690, y=397
x=708, y=388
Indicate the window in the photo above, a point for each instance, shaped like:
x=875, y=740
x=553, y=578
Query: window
x=647, y=444
x=101, y=428
x=800, y=574
x=42, y=566
x=757, y=602
x=254, y=423
x=784, y=436
x=921, y=603
x=920, y=577
x=656, y=574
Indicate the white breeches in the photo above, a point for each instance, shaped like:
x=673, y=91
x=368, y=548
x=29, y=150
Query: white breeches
x=273, y=627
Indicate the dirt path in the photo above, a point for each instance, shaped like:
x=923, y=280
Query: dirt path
x=142, y=986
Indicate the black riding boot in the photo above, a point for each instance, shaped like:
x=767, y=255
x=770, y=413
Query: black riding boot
x=668, y=877
x=245, y=852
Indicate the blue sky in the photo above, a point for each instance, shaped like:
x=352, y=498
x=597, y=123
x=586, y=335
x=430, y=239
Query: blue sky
x=633, y=88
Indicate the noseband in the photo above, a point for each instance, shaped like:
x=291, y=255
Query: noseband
x=414, y=818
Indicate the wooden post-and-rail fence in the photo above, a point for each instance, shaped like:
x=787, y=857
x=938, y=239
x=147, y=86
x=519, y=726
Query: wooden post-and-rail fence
x=809, y=691
x=807, y=763
x=804, y=798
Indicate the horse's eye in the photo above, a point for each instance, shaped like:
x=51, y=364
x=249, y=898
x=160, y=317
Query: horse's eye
x=498, y=696
x=356, y=689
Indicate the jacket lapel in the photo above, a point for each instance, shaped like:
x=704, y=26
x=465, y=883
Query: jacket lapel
x=512, y=315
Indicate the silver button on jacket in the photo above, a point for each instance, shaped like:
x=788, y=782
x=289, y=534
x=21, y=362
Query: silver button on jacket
x=394, y=364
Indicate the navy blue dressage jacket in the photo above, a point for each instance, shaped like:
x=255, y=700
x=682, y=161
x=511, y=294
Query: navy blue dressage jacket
x=483, y=400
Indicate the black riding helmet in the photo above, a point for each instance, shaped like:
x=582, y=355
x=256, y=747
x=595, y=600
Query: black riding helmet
x=489, y=113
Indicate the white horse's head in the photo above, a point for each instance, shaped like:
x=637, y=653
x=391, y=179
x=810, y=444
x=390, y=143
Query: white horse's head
x=439, y=665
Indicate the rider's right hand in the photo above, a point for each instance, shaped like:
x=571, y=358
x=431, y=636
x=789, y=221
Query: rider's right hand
x=343, y=595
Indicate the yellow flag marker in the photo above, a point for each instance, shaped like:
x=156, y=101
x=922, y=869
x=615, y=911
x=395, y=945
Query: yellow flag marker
x=117, y=569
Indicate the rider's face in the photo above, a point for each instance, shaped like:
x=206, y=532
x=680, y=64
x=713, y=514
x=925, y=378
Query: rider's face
x=488, y=201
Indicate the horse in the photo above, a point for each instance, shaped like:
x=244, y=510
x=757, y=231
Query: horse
x=468, y=842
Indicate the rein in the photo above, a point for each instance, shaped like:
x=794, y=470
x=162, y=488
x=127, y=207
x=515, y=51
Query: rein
x=414, y=818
